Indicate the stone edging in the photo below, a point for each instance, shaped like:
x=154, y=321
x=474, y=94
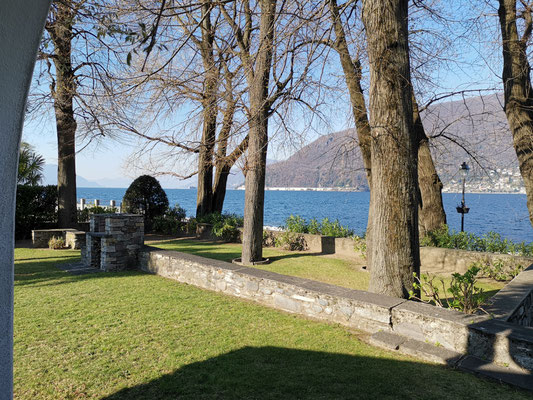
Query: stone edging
x=491, y=340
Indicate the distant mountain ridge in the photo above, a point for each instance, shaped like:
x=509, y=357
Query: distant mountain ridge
x=474, y=130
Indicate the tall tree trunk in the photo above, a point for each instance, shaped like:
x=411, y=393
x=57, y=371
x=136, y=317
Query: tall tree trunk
x=518, y=91
x=431, y=213
x=395, y=252
x=223, y=163
x=204, y=199
x=353, y=75
x=63, y=94
x=258, y=137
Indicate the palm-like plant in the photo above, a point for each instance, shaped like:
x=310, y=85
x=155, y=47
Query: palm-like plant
x=30, y=171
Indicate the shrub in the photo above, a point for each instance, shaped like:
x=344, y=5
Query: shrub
x=489, y=242
x=465, y=296
x=56, y=243
x=36, y=208
x=85, y=214
x=297, y=224
x=145, y=196
x=269, y=239
x=172, y=222
x=360, y=245
x=291, y=241
x=499, y=270
x=225, y=226
x=334, y=229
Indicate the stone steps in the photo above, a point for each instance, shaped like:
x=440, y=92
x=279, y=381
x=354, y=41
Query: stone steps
x=440, y=355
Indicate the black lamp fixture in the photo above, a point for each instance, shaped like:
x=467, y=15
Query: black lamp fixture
x=463, y=209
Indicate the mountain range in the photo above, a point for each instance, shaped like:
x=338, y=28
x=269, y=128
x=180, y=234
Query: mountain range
x=472, y=130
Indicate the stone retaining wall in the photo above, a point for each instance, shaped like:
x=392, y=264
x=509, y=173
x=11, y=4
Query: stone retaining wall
x=432, y=259
x=514, y=303
x=496, y=341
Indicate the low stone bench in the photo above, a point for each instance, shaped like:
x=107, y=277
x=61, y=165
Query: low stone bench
x=41, y=237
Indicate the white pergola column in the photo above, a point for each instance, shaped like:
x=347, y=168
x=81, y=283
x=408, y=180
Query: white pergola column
x=21, y=25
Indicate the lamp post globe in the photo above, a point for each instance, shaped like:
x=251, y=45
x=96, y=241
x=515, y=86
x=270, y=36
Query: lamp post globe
x=463, y=209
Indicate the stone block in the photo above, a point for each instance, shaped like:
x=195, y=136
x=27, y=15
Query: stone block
x=431, y=352
x=387, y=340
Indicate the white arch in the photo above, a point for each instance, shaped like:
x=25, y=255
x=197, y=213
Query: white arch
x=21, y=25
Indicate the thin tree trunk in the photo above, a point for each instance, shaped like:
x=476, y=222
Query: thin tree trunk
x=258, y=138
x=63, y=94
x=518, y=91
x=223, y=169
x=431, y=213
x=204, y=199
x=395, y=252
x=352, y=75
x=223, y=163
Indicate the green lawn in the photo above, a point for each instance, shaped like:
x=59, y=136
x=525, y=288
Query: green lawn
x=323, y=268
x=137, y=336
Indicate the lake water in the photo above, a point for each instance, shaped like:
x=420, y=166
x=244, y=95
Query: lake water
x=503, y=213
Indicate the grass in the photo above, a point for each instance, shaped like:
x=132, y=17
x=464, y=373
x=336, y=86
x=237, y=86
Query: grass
x=132, y=335
x=323, y=268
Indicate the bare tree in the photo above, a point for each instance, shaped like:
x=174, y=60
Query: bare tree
x=191, y=68
x=73, y=59
x=431, y=210
x=518, y=93
x=395, y=252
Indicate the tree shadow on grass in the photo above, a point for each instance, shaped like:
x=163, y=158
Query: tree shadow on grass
x=282, y=373
x=41, y=272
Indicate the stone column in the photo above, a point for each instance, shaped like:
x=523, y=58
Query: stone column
x=21, y=25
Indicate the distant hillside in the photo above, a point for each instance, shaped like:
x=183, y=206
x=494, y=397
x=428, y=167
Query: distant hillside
x=473, y=130
x=330, y=161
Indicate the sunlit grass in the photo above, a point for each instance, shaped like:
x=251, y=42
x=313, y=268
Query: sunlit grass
x=132, y=335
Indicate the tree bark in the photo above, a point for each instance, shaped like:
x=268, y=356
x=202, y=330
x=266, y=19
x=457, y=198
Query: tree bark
x=395, y=252
x=518, y=91
x=63, y=94
x=431, y=213
x=204, y=198
x=258, y=81
x=352, y=75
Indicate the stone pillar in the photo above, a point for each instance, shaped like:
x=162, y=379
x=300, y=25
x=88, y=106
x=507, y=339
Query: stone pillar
x=82, y=204
x=112, y=203
x=21, y=25
x=96, y=202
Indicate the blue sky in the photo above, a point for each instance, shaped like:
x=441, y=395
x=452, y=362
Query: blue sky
x=474, y=64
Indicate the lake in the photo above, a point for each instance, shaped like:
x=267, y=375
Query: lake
x=503, y=213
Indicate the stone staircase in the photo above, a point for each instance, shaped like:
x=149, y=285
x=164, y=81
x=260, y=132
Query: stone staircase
x=438, y=354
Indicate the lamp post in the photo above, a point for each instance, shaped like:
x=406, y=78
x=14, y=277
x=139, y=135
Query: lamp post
x=463, y=209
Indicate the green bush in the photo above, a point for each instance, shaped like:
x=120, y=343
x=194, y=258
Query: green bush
x=499, y=270
x=85, y=214
x=172, y=222
x=465, y=296
x=297, y=224
x=145, y=196
x=490, y=242
x=36, y=208
x=360, y=245
x=225, y=226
